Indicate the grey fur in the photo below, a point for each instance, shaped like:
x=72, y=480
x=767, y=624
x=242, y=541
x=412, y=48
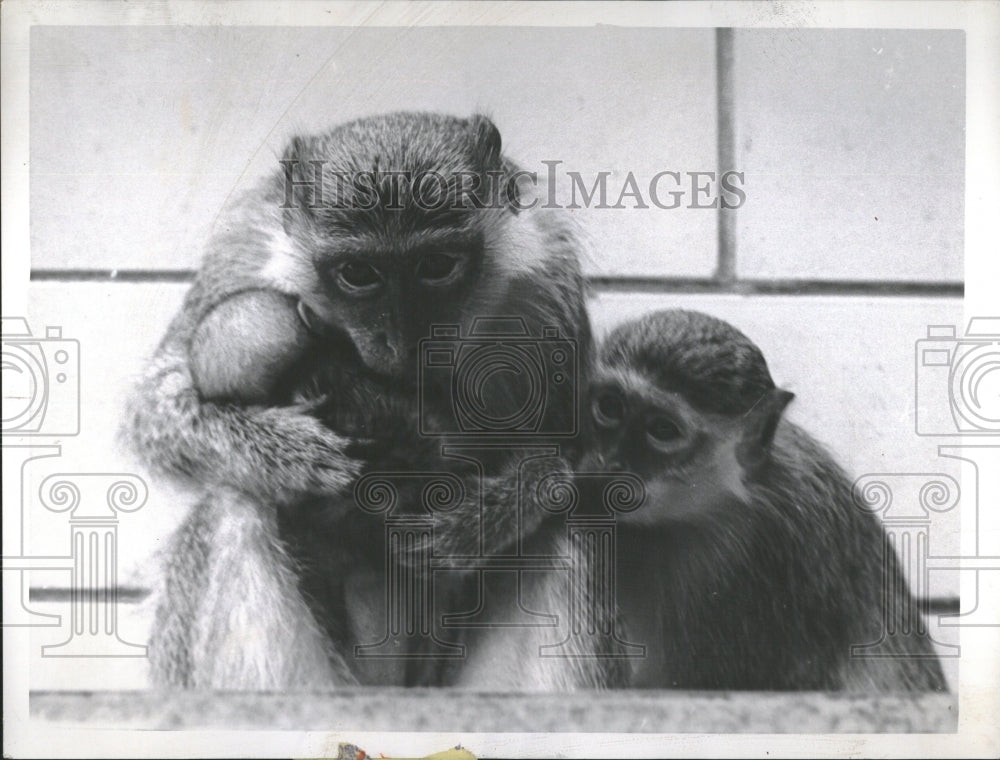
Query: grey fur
x=764, y=591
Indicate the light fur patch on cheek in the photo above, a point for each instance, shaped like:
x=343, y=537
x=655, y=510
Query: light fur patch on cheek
x=697, y=495
x=288, y=269
x=518, y=245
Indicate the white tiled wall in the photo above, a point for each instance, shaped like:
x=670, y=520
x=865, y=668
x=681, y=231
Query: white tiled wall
x=853, y=146
x=133, y=153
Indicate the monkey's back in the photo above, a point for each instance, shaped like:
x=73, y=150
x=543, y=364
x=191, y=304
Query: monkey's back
x=852, y=572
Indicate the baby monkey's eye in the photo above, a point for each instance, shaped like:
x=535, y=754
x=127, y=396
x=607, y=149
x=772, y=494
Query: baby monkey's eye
x=609, y=409
x=357, y=276
x=438, y=268
x=663, y=431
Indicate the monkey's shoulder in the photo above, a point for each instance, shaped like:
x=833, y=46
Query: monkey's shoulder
x=248, y=250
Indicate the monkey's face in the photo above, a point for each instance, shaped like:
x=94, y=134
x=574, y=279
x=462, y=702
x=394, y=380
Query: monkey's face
x=406, y=235
x=685, y=458
x=386, y=300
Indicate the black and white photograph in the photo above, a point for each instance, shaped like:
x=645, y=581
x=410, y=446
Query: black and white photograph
x=466, y=380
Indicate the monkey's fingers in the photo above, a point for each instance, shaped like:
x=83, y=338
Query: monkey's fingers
x=495, y=513
x=288, y=455
x=312, y=406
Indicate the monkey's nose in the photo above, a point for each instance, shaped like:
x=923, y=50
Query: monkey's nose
x=391, y=355
x=382, y=338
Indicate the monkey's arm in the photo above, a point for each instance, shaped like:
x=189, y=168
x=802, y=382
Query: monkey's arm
x=499, y=510
x=204, y=408
x=271, y=451
x=230, y=614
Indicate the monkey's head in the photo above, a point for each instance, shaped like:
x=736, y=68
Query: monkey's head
x=686, y=402
x=402, y=219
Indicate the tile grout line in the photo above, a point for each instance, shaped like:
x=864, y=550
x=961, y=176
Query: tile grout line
x=725, y=152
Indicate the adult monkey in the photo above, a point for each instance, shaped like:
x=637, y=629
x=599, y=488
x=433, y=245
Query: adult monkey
x=315, y=290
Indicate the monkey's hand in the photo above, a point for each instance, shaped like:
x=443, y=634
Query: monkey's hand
x=498, y=510
x=276, y=453
x=288, y=454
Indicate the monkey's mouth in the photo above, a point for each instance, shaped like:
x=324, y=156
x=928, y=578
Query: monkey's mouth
x=384, y=363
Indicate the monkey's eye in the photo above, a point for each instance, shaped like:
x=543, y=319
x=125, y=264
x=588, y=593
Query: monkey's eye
x=355, y=276
x=609, y=409
x=663, y=431
x=438, y=268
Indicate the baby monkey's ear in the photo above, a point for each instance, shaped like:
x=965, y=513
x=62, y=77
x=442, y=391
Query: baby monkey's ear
x=759, y=425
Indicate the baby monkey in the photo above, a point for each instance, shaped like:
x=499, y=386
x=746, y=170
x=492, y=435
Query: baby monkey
x=750, y=566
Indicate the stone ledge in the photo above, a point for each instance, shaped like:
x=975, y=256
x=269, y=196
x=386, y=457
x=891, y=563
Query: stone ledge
x=459, y=711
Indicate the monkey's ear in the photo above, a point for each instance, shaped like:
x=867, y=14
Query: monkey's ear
x=512, y=193
x=487, y=146
x=291, y=161
x=759, y=426
x=487, y=141
x=295, y=148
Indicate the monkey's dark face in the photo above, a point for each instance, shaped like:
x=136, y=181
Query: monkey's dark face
x=685, y=458
x=387, y=298
x=407, y=234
